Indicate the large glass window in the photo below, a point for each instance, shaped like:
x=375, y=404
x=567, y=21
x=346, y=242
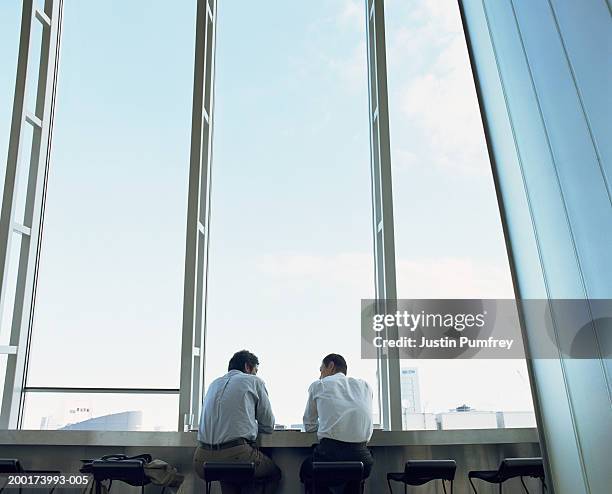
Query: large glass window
x=100, y=411
x=291, y=247
x=448, y=235
x=291, y=243
x=109, y=300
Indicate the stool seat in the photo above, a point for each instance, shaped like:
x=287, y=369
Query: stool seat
x=215, y=471
x=434, y=469
x=336, y=471
x=128, y=471
x=419, y=472
x=510, y=468
x=10, y=465
x=239, y=473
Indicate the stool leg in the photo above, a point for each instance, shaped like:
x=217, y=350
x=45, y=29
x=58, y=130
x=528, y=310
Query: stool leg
x=472, y=484
x=390, y=488
x=443, y=486
x=524, y=486
x=500, y=487
x=452, y=481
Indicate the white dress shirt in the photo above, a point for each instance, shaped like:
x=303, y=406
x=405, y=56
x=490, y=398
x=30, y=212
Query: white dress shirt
x=340, y=408
x=236, y=405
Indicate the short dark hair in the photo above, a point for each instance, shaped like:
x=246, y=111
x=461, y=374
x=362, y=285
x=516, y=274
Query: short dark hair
x=240, y=358
x=338, y=361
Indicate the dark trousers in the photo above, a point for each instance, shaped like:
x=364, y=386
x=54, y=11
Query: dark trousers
x=332, y=450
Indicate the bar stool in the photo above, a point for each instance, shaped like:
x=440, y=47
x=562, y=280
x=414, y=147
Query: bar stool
x=10, y=465
x=332, y=473
x=13, y=465
x=118, y=467
x=510, y=468
x=419, y=472
x=242, y=474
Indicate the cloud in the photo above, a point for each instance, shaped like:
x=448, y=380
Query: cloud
x=428, y=277
x=433, y=105
x=344, y=58
x=442, y=102
x=349, y=24
x=352, y=13
x=353, y=69
x=350, y=269
x=452, y=277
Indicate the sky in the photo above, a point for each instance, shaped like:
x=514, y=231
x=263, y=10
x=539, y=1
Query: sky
x=291, y=242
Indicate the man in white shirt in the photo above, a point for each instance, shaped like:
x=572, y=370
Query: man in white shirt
x=339, y=409
x=236, y=409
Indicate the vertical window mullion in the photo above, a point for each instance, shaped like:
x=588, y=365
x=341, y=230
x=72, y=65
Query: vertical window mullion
x=29, y=227
x=198, y=214
x=382, y=202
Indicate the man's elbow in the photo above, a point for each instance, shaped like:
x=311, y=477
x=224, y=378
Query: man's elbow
x=310, y=427
x=266, y=429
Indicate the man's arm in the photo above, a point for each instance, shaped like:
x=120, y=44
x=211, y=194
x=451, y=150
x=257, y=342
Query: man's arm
x=311, y=416
x=264, y=415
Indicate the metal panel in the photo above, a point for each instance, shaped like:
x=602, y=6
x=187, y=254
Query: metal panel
x=198, y=214
x=382, y=208
x=41, y=120
x=556, y=206
x=586, y=55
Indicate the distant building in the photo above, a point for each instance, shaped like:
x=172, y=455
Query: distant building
x=123, y=421
x=46, y=423
x=464, y=417
x=419, y=421
x=412, y=419
x=509, y=420
x=411, y=394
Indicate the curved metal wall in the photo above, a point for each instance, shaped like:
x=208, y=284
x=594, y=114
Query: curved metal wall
x=543, y=73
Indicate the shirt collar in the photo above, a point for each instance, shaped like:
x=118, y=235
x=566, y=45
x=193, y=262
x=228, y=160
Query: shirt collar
x=337, y=375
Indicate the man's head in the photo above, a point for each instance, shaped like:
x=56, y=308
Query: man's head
x=244, y=361
x=332, y=364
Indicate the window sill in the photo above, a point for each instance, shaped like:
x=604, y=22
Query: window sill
x=279, y=439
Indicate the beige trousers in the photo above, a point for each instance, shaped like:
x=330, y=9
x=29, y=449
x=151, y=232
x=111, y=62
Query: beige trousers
x=265, y=468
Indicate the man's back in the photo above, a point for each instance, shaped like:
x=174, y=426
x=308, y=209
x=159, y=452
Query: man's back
x=340, y=408
x=235, y=409
x=236, y=405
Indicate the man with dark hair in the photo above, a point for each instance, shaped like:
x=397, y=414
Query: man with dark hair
x=339, y=409
x=338, y=361
x=236, y=408
x=242, y=361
